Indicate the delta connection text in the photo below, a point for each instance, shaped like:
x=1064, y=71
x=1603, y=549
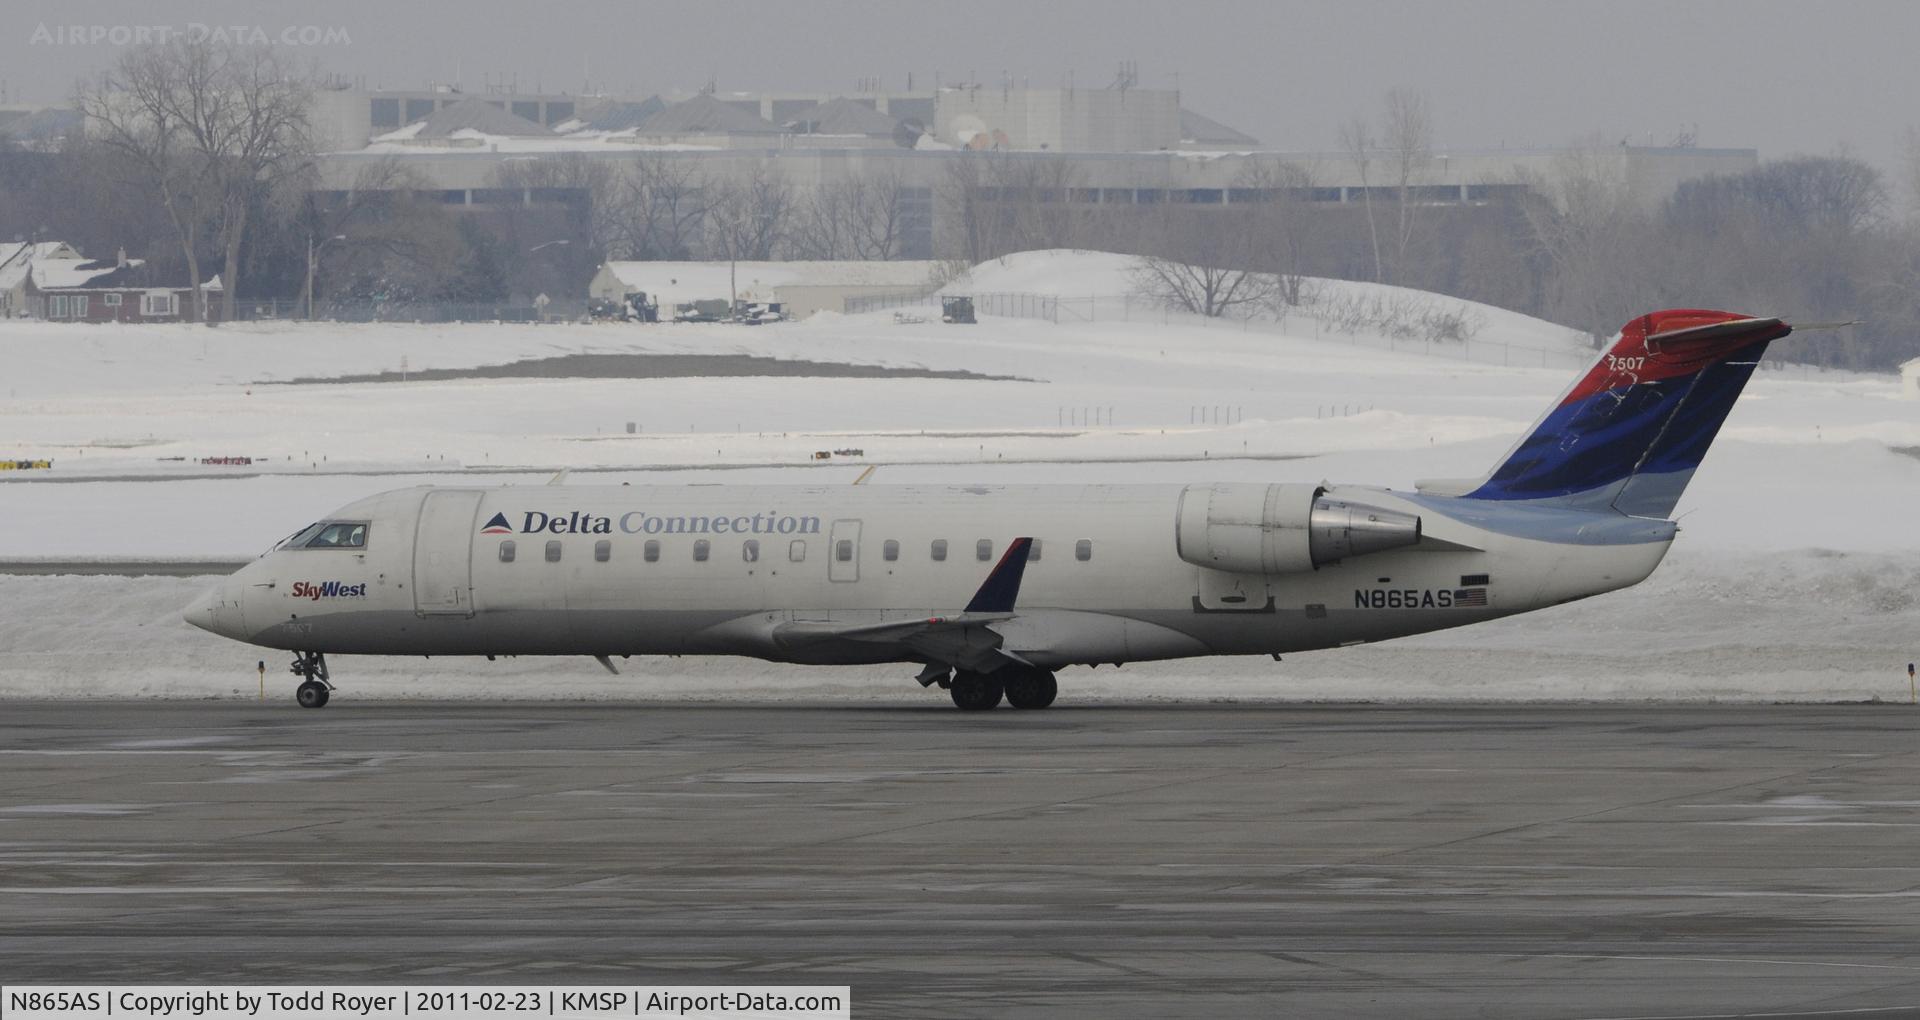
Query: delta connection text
x=438, y=1002
x=636, y=522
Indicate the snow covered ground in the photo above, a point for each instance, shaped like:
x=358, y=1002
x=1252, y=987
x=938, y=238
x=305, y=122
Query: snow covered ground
x=1795, y=576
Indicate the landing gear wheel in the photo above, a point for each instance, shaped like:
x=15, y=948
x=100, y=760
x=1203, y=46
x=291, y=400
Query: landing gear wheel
x=974, y=692
x=1031, y=688
x=311, y=694
x=311, y=668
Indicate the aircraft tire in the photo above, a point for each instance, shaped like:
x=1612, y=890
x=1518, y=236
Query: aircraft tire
x=975, y=692
x=311, y=694
x=1031, y=688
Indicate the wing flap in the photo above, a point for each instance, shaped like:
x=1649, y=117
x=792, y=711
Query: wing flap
x=965, y=639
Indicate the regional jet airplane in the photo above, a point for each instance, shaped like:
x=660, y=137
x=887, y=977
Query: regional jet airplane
x=990, y=589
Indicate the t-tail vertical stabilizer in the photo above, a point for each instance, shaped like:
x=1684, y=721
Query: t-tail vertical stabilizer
x=1629, y=433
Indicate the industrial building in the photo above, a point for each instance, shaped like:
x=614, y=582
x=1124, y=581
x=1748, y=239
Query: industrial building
x=943, y=153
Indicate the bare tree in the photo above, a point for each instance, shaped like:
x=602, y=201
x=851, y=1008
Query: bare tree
x=747, y=214
x=261, y=146
x=1007, y=202
x=656, y=209
x=1356, y=139
x=595, y=185
x=860, y=216
x=375, y=189
x=407, y=249
x=1203, y=262
x=130, y=112
x=218, y=129
x=1595, y=237
x=1279, y=221
x=963, y=193
x=1409, y=142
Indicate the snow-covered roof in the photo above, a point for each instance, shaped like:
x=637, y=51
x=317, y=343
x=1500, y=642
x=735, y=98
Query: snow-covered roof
x=480, y=116
x=1913, y=364
x=621, y=116
x=704, y=114
x=1205, y=130
x=843, y=116
x=16, y=256
x=65, y=274
x=680, y=282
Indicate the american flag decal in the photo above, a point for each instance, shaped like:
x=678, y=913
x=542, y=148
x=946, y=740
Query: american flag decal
x=1470, y=597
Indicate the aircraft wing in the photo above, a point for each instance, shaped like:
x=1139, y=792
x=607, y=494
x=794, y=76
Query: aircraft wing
x=964, y=639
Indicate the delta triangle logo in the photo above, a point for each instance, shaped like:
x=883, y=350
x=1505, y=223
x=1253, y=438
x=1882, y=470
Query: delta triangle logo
x=497, y=525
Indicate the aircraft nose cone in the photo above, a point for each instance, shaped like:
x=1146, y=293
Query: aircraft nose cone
x=217, y=611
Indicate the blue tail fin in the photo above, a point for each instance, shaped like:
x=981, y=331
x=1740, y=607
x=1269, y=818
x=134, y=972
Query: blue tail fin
x=1628, y=434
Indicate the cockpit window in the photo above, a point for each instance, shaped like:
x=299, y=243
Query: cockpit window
x=339, y=535
x=299, y=539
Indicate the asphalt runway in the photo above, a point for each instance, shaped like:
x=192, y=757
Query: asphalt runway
x=1278, y=860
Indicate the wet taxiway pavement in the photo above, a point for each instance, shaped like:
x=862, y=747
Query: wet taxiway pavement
x=1522, y=861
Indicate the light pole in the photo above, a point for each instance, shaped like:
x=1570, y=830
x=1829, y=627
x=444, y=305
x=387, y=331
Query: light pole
x=313, y=254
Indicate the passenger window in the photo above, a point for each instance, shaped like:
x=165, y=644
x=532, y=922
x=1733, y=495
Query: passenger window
x=602, y=551
x=843, y=550
x=651, y=552
x=1083, y=550
x=340, y=536
x=890, y=550
x=750, y=550
x=506, y=551
x=983, y=549
x=939, y=549
x=553, y=551
x=700, y=550
x=1033, y=550
x=797, y=551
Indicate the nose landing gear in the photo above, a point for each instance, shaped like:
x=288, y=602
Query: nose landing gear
x=314, y=688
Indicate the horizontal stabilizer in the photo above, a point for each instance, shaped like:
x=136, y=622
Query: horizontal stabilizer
x=1445, y=486
x=1712, y=336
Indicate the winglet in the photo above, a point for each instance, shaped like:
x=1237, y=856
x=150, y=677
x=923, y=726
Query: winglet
x=1002, y=586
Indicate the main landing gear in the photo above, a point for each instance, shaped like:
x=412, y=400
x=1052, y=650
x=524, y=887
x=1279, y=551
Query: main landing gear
x=1022, y=686
x=314, y=689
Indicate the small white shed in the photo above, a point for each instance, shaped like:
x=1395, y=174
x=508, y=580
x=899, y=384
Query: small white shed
x=1910, y=380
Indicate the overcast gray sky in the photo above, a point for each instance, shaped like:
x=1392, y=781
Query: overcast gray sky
x=1783, y=77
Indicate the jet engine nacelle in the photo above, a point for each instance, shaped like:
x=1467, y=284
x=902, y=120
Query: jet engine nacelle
x=1280, y=529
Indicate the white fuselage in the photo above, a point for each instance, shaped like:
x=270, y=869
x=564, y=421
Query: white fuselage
x=623, y=570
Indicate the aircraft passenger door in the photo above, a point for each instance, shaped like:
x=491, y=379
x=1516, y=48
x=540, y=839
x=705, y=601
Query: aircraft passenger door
x=843, y=551
x=443, y=553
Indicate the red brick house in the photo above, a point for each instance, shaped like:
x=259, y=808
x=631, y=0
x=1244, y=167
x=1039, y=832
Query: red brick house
x=110, y=290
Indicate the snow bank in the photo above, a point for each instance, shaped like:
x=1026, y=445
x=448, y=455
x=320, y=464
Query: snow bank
x=1075, y=275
